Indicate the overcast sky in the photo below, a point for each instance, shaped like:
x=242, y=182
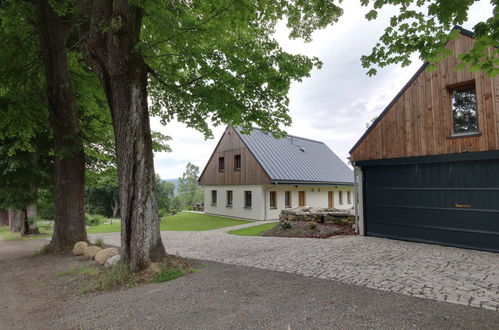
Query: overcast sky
x=333, y=105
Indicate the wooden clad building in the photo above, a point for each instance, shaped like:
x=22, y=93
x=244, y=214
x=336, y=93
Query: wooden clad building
x=428, y=167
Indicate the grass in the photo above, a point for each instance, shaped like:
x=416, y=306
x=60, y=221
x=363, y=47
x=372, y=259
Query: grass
x=254, y=230
x=185, y=221
x=8, y=236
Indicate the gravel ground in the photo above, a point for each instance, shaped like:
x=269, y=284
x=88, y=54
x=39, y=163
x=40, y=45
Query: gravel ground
x=220, y=296
x=454, y=275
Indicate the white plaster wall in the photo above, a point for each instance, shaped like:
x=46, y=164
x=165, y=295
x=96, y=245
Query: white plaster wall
x=256, y=212
x=316, y=196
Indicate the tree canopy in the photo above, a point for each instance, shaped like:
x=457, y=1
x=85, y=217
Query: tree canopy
x=423, y=26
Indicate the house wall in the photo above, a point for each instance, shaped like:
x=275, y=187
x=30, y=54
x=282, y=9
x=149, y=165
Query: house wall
x=237, y=210
x=316, y=196
x=419, y=123
x=251, y=173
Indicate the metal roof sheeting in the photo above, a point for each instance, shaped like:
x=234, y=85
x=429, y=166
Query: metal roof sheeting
x=293, y=159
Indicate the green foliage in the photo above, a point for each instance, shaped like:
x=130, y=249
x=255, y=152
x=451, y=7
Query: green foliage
x=102, y=191
x=188, y=189
x=285, y=224
x=253, y=230
x=99, y=242
x=94, y=219
x=219, y=62
x=167, y=272
x=423, y=26
x=164, y=196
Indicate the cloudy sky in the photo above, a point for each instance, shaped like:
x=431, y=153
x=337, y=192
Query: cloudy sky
x=333, y=105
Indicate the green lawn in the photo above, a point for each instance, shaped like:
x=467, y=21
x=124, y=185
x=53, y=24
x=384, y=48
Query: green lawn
x=8, y=236
x=253, y=230
x=185, y=221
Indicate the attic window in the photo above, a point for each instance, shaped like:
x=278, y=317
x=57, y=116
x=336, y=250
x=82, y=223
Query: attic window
x=221, y=164
x=464, y=110
x=237, y=162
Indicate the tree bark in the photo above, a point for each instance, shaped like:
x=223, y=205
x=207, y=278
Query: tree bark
x=16, y=218
x=115, y=206
x=69, y=173
x=123, y=74
x=4, y=218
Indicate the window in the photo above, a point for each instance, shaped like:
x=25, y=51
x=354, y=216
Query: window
x=229, y=198
x=349, y=197
x=301, y=198
x=247, y=199
x=287, y=199
x=273, y=200
x=213, y=197
x=237, y=162
x=464, y=114
x=221, y=164
x=340, y=197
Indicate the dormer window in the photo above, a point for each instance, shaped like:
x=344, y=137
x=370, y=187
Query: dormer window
x=464, y=110
x=237, y=162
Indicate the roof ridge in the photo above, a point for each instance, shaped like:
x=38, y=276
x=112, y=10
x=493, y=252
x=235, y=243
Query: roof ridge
x=287, y=135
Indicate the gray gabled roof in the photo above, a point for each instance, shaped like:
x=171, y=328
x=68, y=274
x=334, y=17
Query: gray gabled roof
x=296, y=160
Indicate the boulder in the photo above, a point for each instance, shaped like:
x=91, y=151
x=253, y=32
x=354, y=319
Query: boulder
x=113, y=261
x=102, y=256
x=79, y=248
x=91, y=251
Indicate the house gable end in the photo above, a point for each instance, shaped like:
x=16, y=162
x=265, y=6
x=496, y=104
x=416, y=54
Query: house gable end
x=230, y=146
x=418, y=122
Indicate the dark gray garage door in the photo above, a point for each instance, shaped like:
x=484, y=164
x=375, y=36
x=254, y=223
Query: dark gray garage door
x=451, y=203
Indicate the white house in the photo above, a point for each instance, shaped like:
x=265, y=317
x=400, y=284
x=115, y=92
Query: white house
x=255, y=176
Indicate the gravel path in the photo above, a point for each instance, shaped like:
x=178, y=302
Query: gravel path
x=453, y=275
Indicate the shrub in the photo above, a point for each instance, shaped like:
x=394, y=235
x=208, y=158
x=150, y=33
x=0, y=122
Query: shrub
x=285, y=224
x=94, y=219
x=99, y=242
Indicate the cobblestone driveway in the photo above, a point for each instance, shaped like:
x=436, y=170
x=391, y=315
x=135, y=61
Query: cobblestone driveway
x=448, y=274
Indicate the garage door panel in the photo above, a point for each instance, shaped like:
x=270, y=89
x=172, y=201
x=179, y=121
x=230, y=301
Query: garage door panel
x=452, y=203
x=474, y=240
x=476, y=198
x=477, y=220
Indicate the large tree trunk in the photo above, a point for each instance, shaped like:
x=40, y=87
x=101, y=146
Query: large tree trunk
x=16, y=220
x=4, y=218
x=69, y=176
x=124, y=77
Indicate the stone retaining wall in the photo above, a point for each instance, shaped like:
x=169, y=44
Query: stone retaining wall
x=320, y=215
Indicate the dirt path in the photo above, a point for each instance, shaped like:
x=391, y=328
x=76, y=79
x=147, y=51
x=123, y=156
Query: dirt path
x=220, y=296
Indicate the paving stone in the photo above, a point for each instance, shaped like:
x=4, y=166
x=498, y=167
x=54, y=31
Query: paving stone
x=436, y=272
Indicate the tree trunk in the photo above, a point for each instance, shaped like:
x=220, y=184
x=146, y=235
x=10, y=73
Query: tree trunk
x=115, y=206
x=69, y=173
x=4, y=218
x=29, y=219
x=112, y=56
x=16, y=220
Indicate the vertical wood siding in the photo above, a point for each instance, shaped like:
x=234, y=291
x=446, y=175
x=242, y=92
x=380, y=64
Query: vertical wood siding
x=230, y=145
x=419, y=123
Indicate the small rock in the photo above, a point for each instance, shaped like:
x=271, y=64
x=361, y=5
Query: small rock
x=79, y=248
x=113, y=261
x=91, y=251
x=102, y=256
